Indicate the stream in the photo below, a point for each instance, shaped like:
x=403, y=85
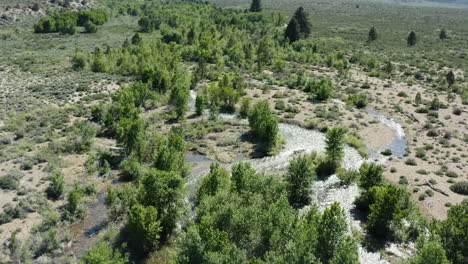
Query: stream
x=299, y=141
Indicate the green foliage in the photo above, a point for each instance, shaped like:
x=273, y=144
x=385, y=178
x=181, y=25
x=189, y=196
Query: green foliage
x=372, y=34
x=102, y=253
x=346, y=252
x=223, y=94
x=384, y=209
x=199, y=104
x=73, y=208
x=57, y=185
x=320, y=88
x=163, y=190
x=303, y=20
x=132, y=169
x=256, y=6
x=454, y=233
x=264, y=124
x=370, y=175
x=293, y=32
x=335, y=139
x=411, y=39
x=430, y=253
x=130, y=133
x=217, y=180
x=331, y=228
x=250, y=220
x=358, y=100
x=245, y=107
x=90, y=27
x=460, y=187
x=45, y=25
x=299, y=179
x=443, y=34
x=144, y=228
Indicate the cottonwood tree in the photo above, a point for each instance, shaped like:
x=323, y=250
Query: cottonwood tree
x=335, y=140
x=332, y=229
x=299, y=178
x=263, y=124
x=144, y=228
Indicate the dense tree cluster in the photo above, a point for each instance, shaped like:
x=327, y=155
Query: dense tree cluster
x=247, y=218
x=299, y=26
x=67, y=22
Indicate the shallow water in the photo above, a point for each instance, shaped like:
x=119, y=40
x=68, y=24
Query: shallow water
x=300, y=140
x=398, y=145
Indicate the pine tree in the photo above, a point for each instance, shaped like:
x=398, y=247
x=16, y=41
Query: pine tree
x=256, y=6
x=450, y=78
x=443, y=34
x=303, y=19
x=372, y=34
x=136, y=39
x=292, y=30
x=411, y=39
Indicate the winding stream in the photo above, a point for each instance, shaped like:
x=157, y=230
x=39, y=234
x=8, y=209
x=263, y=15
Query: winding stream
x=300, y=140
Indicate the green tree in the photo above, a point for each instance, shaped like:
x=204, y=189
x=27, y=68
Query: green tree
x=264, y=52
x=299, y=178
x=450, y=78
x=102, y=253
x=388, y=68
x=263, y=124
x=144, y=228
x=454, y=233
x=303, y=20
x=430, y=253
x=73, y=205
x=443, y=34
x=370, y=175
x=130, y=134
x=335, y=140
x=164, y=191
x=136, y=39
x=256, y=6
x=199, y=104
x=372, y=34
x=331, y=228
x=418, y=99
x=292, y=31
x=217, y=180
x=45, y=25
x=346, y=252
x=90, y=27
x=384, y=209
x=245, y=107
x=411, y=39
x=180, y=95
x=57, y=185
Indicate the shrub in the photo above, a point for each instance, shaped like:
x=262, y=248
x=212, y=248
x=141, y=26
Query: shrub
x=423, y=172
x=456, y=111
x=420, y=153
x=429, y=193
x=410, y=162
x=57, y=185
x=8, y=183
x=347, y=176
x=279, y=105
x=460, y=187
x=387, y=152
x=393, y=170
x=451, y=174
x=90, y=27
x=358, y=100
x=403, y=180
